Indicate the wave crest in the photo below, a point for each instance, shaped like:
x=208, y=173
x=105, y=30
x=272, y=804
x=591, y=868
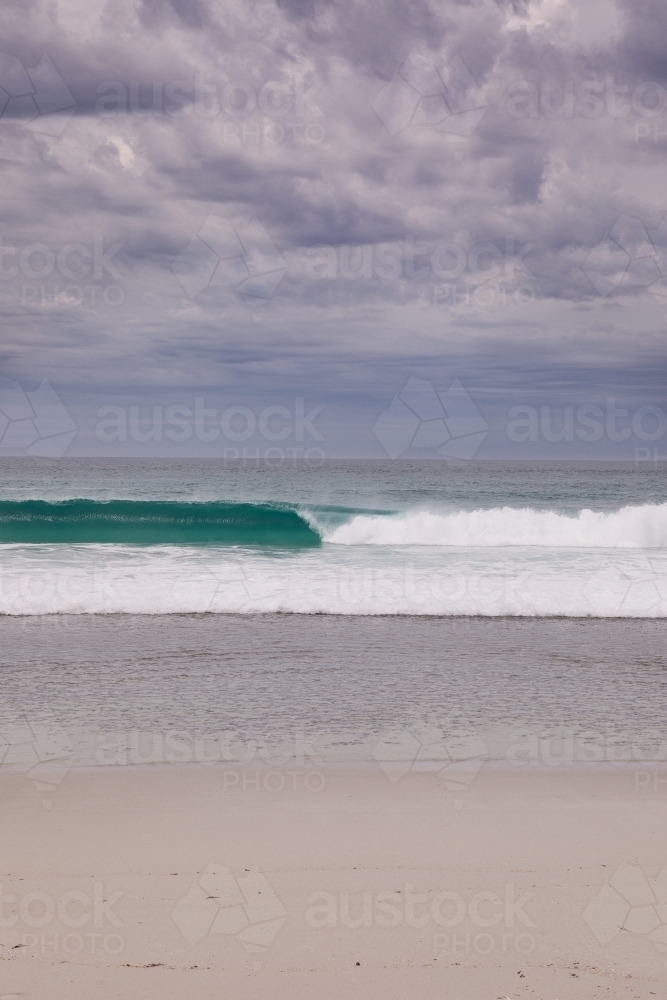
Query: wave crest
x=149, y=522
x=632, y=527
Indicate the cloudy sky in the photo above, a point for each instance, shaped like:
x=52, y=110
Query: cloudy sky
x=256, y=203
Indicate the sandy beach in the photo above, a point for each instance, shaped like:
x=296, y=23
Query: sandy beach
x=333, y=500
x=209, y=881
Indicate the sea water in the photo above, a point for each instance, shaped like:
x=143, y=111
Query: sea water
x=352, y=538
x=425, y=610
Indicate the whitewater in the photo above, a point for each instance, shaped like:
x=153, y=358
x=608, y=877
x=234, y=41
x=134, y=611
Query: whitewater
x=109, y=537
x=631, y=527
x=497, y=562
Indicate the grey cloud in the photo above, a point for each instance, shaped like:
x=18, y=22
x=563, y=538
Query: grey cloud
x=150, y=181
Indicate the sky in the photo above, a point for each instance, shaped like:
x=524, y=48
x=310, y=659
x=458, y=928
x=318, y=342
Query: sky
x=328, y=229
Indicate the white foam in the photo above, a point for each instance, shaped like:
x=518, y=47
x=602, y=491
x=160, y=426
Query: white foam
x=642, y=527
x=336, y=579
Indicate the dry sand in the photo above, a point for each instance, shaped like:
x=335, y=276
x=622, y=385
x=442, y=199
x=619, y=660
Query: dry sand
x=174, y=882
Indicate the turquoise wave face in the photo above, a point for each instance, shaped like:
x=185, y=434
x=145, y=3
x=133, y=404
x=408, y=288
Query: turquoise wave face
x=148, y=522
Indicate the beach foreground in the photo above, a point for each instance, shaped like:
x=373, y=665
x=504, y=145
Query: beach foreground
x=173, y=881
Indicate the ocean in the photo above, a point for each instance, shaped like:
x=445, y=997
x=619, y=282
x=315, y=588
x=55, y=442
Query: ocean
x=91, y=536
x=179, y=611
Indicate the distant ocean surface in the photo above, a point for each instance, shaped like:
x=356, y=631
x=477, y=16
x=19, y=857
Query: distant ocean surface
x=93, y=536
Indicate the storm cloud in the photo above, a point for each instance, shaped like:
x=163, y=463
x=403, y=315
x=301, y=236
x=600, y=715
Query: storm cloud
x=254, y=202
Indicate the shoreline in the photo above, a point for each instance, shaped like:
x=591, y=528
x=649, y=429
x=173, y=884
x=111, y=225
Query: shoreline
x=389, y=616
x=362, y=765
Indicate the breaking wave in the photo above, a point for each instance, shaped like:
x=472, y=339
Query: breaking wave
x=632, y=527
x=149, y=522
